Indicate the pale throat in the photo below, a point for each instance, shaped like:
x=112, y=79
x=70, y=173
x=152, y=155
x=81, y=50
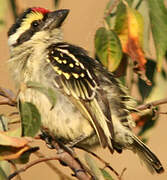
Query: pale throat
x=25, y=58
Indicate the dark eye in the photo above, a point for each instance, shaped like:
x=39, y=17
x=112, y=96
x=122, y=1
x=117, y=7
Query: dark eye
x=35, y=23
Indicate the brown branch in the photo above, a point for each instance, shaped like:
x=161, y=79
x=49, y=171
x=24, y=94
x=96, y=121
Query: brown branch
x=7, y=93
x=15, y=169
x=62, y=156
x=123, y=171
x=9, y=97
x=52, y=166
x=162, y=112
x=79, y=167
x=30, y=165
x=7, y=101
x=13, y=113
x=153, y=103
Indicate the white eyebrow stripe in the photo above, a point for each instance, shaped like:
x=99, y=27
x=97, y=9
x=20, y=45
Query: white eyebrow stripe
x=72, y=56
x=69, y=54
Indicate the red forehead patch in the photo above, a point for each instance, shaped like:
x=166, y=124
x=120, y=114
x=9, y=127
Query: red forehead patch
x=41, y=10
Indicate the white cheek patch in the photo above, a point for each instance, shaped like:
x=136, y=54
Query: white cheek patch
x=14, y=37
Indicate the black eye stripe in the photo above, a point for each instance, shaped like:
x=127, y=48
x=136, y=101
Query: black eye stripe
x=18, y=22
x=35, y=27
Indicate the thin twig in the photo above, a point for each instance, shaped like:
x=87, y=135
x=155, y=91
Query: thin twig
x=123, y=171
x=53, y=167
x=15, y=122
x=153, y=103
x=9, y=97
x=15, y=169
x=7, y=101
x=114, y=4
x=13, y=113
x=65, y=157
x=138, y=4
x=7, y=93
x=162, y=112
x=27, y=166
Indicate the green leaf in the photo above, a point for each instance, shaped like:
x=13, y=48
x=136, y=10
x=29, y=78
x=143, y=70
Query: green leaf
x=30, y=118
x=94, y=168
x=146, y=26
x=158, y=18
x=7, y=140
x=144, y=89
x=4, y=170
x=14, y=132
x=121, y=18
x=49, y=92
x=106, y=175
x=130, y=2
x=3, y=176
x=108, y=48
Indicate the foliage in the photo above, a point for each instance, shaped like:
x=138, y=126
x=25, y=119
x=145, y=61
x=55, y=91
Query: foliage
x=124, y=39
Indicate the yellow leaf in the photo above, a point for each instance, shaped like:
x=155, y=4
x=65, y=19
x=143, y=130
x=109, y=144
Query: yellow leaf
x=131, y=37
x=17, y=142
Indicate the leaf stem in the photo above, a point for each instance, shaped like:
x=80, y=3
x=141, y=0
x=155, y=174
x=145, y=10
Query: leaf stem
x=114, y=4
x=153, y=103
x=138, y=4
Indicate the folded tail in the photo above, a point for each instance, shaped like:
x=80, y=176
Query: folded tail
x=150, y=160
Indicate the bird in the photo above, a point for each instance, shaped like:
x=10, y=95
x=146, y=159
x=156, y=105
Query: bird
x=92, y=107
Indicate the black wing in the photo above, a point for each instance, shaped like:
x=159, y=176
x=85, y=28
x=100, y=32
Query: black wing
x=76, y=76
x=75, y=69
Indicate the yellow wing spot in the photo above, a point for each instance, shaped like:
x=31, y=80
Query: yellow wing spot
x=59, y=72
x=67, y=75
x=77, y=64
x=48, y=60
x=52, y=52
x=71, y=65
x=58, y=60
x=75, y=75
x=61, y=54
x=65, y=61
x=82, y=75
x=55, y=68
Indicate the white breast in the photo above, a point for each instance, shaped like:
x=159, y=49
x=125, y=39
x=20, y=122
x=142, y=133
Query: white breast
x=64, y=120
